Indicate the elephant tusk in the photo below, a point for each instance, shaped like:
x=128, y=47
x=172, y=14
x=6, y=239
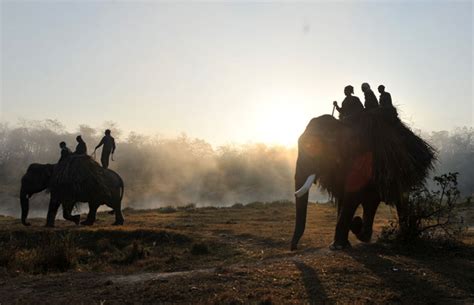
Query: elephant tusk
x=306, y=186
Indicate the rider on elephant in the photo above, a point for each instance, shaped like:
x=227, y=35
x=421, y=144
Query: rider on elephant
x=81, y=148
x=65, y=151
x=109, y=148
x=385, y=98
x=350, y=105
x=370, y=98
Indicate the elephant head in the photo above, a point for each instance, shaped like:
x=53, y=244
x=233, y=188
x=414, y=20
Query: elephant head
x=35, y=180
x=324, y=151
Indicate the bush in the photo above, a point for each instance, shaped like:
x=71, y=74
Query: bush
x=430, y=214
x=167, y=210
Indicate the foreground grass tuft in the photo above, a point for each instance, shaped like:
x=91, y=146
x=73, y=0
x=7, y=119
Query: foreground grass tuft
x=57, y=253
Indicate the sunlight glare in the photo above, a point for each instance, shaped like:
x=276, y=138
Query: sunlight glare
x=281, y=119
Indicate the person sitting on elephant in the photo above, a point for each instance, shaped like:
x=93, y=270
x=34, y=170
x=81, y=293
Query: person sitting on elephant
x=385, y=98
x=350, y=105
x=370, y=98
x=108, y=148
x=81, y=148
x=65, y=151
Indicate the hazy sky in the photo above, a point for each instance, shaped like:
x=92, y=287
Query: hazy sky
x=234, y=71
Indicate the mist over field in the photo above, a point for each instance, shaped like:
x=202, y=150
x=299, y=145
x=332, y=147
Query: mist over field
x=161, y=171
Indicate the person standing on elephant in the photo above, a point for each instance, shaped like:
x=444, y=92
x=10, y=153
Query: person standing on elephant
x=108, y=148
x=370, y=99
x=65, y=151
x=81, y=148
x=350, y=105
x=385, y=98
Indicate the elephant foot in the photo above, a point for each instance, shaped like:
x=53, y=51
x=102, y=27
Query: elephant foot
x=294, y=247
x=118, y=223
x=356, y=225
x=87, y=223
x=337, y=245
x=49, y=225
x=26, y=224
x=76, y=219
x=365, y=236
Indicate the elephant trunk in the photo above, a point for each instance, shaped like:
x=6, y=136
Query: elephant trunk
x=25, y=206
x=304, y=178
x=300, y=222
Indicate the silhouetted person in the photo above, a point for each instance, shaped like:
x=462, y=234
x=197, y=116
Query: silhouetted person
x=350, y=105
x=370, y=99
x=65, y=151
x=81, y=148
x=385, y=98
x=107, y=149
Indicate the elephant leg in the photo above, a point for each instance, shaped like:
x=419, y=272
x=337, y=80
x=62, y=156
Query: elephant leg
x=339, y=205
x=346, y=213
x=92, y=214
x=370, y=208
x=67, y=210
x=405, y=222
x=52, y=211
x=300, y=223
x=118, y=217
x=402, y=213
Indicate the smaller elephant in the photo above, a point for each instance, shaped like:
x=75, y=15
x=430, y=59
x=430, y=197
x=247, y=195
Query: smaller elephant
x=66, y=189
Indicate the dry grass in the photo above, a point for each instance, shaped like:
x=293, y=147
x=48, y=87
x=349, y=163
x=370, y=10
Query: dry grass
x=239, y=256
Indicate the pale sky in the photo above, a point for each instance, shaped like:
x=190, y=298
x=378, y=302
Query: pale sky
x=232, y=71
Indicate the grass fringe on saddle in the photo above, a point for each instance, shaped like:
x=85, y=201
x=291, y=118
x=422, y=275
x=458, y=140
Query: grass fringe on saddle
x=79, y=175
x=401, y=159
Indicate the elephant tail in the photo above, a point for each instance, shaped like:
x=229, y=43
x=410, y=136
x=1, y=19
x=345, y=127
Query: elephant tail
x=122, y=188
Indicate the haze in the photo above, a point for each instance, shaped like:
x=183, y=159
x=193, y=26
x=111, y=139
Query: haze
x=232, y=72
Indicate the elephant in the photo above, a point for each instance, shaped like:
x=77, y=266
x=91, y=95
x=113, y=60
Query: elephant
x=107, y=189
x=371, y=158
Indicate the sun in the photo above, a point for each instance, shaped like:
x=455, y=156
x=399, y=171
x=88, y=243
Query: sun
x=281, y=119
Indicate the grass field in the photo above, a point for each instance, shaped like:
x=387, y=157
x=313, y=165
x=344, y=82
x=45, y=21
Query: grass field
x=237, y=255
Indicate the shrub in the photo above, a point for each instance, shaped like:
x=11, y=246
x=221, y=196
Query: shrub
x=167, y=210
x=430, y=214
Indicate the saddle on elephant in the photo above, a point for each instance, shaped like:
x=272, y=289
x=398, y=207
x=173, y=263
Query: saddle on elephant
x=401, y=159
x=78, y=175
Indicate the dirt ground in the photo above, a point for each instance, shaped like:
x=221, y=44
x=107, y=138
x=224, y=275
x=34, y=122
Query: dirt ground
x=237, y=255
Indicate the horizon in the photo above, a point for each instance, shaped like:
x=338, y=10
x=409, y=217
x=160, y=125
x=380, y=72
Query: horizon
x=121, y=135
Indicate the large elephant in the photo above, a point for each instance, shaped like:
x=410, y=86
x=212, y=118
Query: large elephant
x=371, y=158
x=106, y=189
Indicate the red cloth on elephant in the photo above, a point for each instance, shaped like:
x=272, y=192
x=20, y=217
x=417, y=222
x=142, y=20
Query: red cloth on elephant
x=360, y=173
